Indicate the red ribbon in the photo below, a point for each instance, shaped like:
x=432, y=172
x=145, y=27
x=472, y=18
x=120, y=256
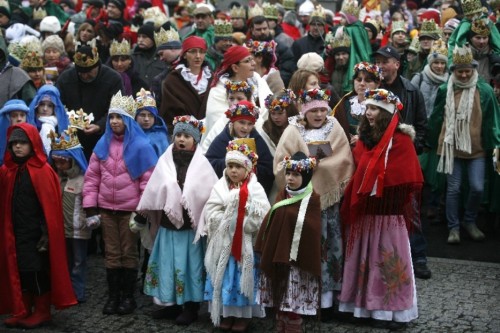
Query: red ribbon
x=238, y=233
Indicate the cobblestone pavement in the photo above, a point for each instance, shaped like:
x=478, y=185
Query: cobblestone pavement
x=461, y=296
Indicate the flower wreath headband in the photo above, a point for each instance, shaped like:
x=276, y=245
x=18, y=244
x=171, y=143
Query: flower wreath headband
x=190, y=120
x=382, y=95
x=307, y=164
x=369, y=68
x=282, y=102
x=257, y=47
x=314, y=95
x=241, y=109
x=244, y=149
x=238, y=86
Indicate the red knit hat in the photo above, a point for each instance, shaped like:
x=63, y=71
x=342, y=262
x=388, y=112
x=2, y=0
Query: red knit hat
x=193, y=42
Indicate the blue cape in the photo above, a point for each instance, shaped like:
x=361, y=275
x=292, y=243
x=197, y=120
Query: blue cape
x=75, y=153
x=4, y=124
x=59, y=109
x=158, y=133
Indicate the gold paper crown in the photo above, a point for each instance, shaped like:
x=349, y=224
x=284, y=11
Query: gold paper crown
x=191, y=6
x=338, y=40
x=33, y=45
x=398, y=26
x=429, y=27
x=119, y=48
x=155, y=15
x=67, y=140
x=223, y=29
x=270, y=11
x=83, y=59
x=439, y=47
x=123, y=103
x=414, y=45
x=17, y=50
x=289, y=4
x=376, y=24
x=250, y=142
x=462, y=55
x=32, y=60
x=471, y=7
x=255, y=11
x=79, y=119
x=144, y=99
x=350, y=7
x=239, y=12
x=480, y=27
x=39, y=13
x=318, y=12
x=163, y=36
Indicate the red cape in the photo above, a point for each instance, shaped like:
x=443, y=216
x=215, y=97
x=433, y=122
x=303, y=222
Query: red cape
x=48, y=190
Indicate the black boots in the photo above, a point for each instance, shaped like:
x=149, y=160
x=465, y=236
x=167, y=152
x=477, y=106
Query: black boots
x=189, y=315
x=127, y=303
x=113, y=276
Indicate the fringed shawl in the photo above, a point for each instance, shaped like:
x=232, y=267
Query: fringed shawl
x=221, y=211
x=332, y=173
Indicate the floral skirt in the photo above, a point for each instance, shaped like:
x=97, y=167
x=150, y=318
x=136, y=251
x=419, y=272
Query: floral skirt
x=378, y=274
x=331, y=249
x=175, y=271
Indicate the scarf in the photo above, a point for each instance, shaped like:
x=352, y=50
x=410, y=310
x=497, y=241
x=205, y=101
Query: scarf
x=435, y=78
x=127, y=84
x=238, y=233
x=457, y=121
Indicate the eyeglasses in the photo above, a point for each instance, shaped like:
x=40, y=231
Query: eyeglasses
x=196, y=51
x=247, y=60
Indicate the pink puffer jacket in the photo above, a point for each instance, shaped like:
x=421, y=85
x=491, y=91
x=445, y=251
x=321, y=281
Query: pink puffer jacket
x=108, y=184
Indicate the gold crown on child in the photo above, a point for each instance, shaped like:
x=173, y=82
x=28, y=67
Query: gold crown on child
x=67, y=140
x=123, y=103
x=144, y=99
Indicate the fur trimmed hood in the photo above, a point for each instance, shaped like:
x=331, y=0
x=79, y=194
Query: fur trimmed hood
x=408, y=130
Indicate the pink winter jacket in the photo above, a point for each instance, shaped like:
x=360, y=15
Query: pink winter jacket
x=108, y=184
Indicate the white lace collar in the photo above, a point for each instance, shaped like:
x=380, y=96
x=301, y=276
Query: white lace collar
x=313, y=134
x=357, y=109
x=201, y=85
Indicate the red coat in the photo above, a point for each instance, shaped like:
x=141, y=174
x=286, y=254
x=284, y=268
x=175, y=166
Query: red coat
x=48, y=190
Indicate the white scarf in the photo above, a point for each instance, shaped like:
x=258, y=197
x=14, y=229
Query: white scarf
x=457, y=121
x=437, y=79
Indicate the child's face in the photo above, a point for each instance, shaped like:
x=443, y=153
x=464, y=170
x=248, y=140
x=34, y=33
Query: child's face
x=293, y=179
x=242, y=128
x=279, y=118
x=235, y=97
x=45, y=109
x=145, y=119
x=316, y=117
x=236, y=172
x=116, y=123
x=21, y=149
x=17, y=117
x=372, y=113
x=183, y=141
x=62, y=163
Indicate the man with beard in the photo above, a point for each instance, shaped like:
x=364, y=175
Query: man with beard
x=314, y=41
x=338, y=47
x=259, y=30
x=146, y=60
x=222, y=41
x=203, y=19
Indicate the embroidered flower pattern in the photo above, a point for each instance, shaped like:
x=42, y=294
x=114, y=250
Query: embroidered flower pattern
x=383, y=95
x=238, y=86
x=151, y=280
x=243, y=109
x=244, y=149
x=314, y=95
x=257, y=47
x=393, y=272
x=281, y=103
x=306, y=164
x=190, y=120
x=179, y=284
x=369, y=68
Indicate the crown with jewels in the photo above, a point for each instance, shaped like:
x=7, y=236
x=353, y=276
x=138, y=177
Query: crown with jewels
x=462, y=56
x=144, y=99
x=119, y=48
x=39, y=13
x=270, y=11
x=439, y=47
x=338, y=40
x=223, y=29
x=235, y=86
x=32, y=60
x=164, y=36
x=414, y=45
x=480, y=27
x=429, y=27
x=83, y=59
x=124, y=105
x=471, y=7
x=280, y=103
x=255, y=11
x=304, y=165
x=155, y=15
x=398, y=26
x=79, y=119
x=350, y=7
x=238, y=12
x=289, y=4
x=67, y=140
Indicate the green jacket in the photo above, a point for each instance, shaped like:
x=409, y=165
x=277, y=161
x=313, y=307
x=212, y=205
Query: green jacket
x=208, y=35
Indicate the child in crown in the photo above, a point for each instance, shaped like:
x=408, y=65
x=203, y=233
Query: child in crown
x=173, y=202
x=118, y=172
x=233, y=215
x=289, y=242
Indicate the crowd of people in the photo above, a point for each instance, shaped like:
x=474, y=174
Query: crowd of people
x=263, y=156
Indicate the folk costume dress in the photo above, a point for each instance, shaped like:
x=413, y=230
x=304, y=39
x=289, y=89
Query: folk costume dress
x=329, y=180
x=232, y=283
x=377, y=211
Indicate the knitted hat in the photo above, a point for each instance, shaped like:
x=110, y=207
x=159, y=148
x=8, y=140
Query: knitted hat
x=118, y=3
x=383, y=99
x=148, y=30
x=300, y=163
x=306, y=8
x=193, y=42
x=18, y=135
x=241, y=153
x=55, y=42
x=86, y=57
x=14, y=105
x=451, y=24
x=188, y=125
x=243, y=110
x=311, y=61
x=313, y=99
x=50, y=24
